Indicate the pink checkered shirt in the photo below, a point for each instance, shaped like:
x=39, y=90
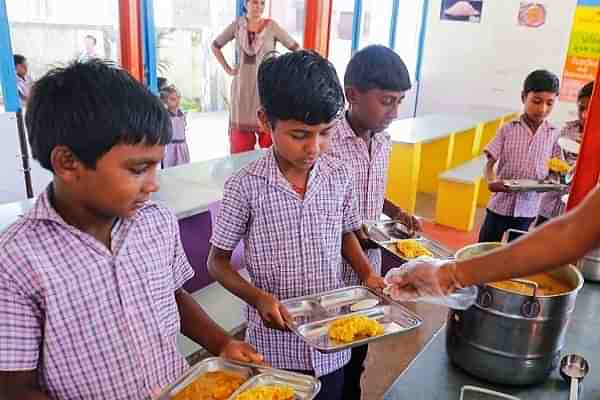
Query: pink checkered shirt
x=95, y=324
x=369, y=169
x=551, y=204
x=292, y=246
x=521, y=155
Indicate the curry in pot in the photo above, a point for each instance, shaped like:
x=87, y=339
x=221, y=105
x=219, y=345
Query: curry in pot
x=547, y=286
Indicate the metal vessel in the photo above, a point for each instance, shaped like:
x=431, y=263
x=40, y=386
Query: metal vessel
x=590, y=266
x=510, y=338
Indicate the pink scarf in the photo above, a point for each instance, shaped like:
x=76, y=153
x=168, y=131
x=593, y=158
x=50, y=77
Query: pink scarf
x=251, y=48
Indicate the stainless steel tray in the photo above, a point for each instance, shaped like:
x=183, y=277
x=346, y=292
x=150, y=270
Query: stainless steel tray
x=531, y=185
x=385, y=234
x=305, y=387
x=313, y=315
x=248, y=371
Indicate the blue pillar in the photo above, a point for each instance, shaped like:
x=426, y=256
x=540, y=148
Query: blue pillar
x=149, y=44
x=419, y=67
x=394, y=23
x=7, y=65
x=239, y=7
x=356, y=25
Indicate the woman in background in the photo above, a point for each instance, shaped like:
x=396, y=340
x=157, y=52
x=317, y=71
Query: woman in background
x=254, y=37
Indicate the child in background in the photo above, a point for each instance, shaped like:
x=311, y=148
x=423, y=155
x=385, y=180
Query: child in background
x=551, y=204
x=296, y=212
x=176, y=152
x=521, y=150
x=91, y=287
x=24, y=81
x=375, y=83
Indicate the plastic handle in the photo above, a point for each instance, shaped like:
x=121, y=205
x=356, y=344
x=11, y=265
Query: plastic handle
x=574, y=393
x=478, y=389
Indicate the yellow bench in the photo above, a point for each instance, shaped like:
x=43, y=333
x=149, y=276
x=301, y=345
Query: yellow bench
x=461, y=190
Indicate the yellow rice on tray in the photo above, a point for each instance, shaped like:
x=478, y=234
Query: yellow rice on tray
x=268, y=392
x=559, y=166
x=353, y=328
x=411, y=248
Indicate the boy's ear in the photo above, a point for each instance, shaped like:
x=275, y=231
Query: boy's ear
x=263, y=120
x=65, y=164
x=523, y=96
x=352, y=95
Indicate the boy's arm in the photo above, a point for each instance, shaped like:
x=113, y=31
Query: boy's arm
x=199, y=327
x=353, y=253
x=20, y=385
x=20, y=340
x=231, y=227
x=271, y=311
x=195, y=323
x=494, y=185
x=395, y=212
x=351, y=250
x=493, y=152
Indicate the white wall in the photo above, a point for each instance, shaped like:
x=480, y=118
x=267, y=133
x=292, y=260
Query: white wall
x=12, y=182
x=484, y=65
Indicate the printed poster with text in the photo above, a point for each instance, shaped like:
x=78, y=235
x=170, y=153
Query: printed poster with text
x=584, y=49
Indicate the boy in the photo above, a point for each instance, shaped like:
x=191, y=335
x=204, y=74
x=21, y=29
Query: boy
x=295, y=211
x=91, y=277
x=521, y=150
x=24, y=81
x=375, y=83
x=551, y=204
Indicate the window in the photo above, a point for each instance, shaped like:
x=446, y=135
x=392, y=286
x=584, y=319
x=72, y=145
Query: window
x=185, y=30
x=53, y=32
x=376, y=22
x=407, y=33
x=289, y=14
x=340, y=42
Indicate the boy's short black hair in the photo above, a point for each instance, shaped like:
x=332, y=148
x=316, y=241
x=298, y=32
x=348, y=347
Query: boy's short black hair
x=301, y=86
x=161, y=82
x=92, y=37
x=541, y=81
x=377, y=67
x=89, y=108
x=19, y=59
x=167, y=90
x=586, y=91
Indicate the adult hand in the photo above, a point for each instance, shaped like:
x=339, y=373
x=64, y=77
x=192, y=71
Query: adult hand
x=232, y=71
x=423, y=277
x=272, y=312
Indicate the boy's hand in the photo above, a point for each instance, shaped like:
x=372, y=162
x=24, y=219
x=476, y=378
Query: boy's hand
x=272, y=312
x=375, y=282
x=241, y=351
x=497, y=187
x=364, y=240
x=410, y=221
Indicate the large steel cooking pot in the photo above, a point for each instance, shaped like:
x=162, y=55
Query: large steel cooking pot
x=590, y=266
x=511, y=338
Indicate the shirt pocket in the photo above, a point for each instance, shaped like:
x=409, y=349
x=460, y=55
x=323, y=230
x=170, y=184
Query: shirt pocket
x=282, y=276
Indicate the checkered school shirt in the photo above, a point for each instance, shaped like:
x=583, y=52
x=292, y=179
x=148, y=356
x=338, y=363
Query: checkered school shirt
x=521, y=155
x=551, y=204
x=95, y=324
x=292, y=246
x=369, y=169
